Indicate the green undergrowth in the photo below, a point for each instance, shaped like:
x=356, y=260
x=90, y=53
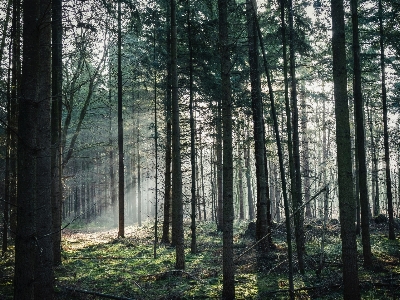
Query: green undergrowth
x=95, y=261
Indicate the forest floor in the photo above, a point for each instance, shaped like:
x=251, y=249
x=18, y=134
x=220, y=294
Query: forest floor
x=97, y=265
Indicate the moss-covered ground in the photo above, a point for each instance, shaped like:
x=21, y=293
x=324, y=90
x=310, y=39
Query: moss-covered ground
x=97, y=265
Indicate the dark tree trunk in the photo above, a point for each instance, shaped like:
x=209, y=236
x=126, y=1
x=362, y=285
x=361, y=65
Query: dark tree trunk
x=345, y=177
x=248, y=182
x=177, y=201
x=385, y=128
x=56, y=112
x=219, y=167
x=228, y=289
x=193, y=247
x=259, y=142
x=296, y=189
x=360, y=135
x=168, y=125
x=121, y=175
x=280, y=150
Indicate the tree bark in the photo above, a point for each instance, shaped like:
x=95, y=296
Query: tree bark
x=177, y=201
x=345, y=177
x=259, y=141
x=56, y=113
x=392, y=235
x=228, y=289
x=121, y=175
x=360, y=135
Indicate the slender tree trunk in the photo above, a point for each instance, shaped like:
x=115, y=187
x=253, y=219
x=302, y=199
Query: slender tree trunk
x=193, y=247
x=121, y=175
x=177, y=201
x=305, y=154
x=248, y=182
x=385, y=128
x=280, y=157
x=139, y=173
x=168, y=154
x=228, y=289
x=345, y=178
x=360, y=134
x=296, y=189
x=155, y=153
x=56, y=112
x=240, y=184
x=259, y=142
x=219, y=167
x=6, y=208
x=15, y=90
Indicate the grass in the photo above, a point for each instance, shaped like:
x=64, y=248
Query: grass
x=95, y=260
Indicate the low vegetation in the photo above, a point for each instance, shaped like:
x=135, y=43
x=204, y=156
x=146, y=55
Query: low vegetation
x=97, y=265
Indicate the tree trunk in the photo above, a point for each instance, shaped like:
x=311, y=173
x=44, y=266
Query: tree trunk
x=297, y=195
x=121, y=175
x=259, y=142
x=360, y=135
x=280, y=151
x=56, y=113
x=345, y=178
x=168, y=125
x=248, y=182
x=193, y=246
x=177, y=201
x=228, y=289
x=385, y=128
x=305, y=154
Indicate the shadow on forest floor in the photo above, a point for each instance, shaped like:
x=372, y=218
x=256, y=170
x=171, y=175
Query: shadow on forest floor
x=97, y=265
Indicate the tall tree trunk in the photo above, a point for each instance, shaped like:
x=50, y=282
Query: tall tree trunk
x=240, y=183
x=155, y=152
x=360, y=135
x=193, y=247
x=168, y=127
x=6, y=208
x=385, y=128
x=14, y=108
x=33, y=246
x=121, y=175
x=259, y=142
x=297, y=195
x=177, y=201
x=56, y=113
x=280, y=156
x=139, y=174
x=218, y=125
x=248, y=182
x=305, y=154
x=345, y=177
x=228, y=289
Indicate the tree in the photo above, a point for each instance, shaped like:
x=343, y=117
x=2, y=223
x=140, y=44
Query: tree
x=385, y=126
x=345, y=177
x=56, y=112
x=360, y=134
x=121, y=177
x=177, y=203
x=258, y=120
x=228, y=291
x=33, y=245
x=296, y=189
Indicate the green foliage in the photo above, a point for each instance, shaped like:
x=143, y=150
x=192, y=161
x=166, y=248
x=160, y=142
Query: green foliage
x=94, y=260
